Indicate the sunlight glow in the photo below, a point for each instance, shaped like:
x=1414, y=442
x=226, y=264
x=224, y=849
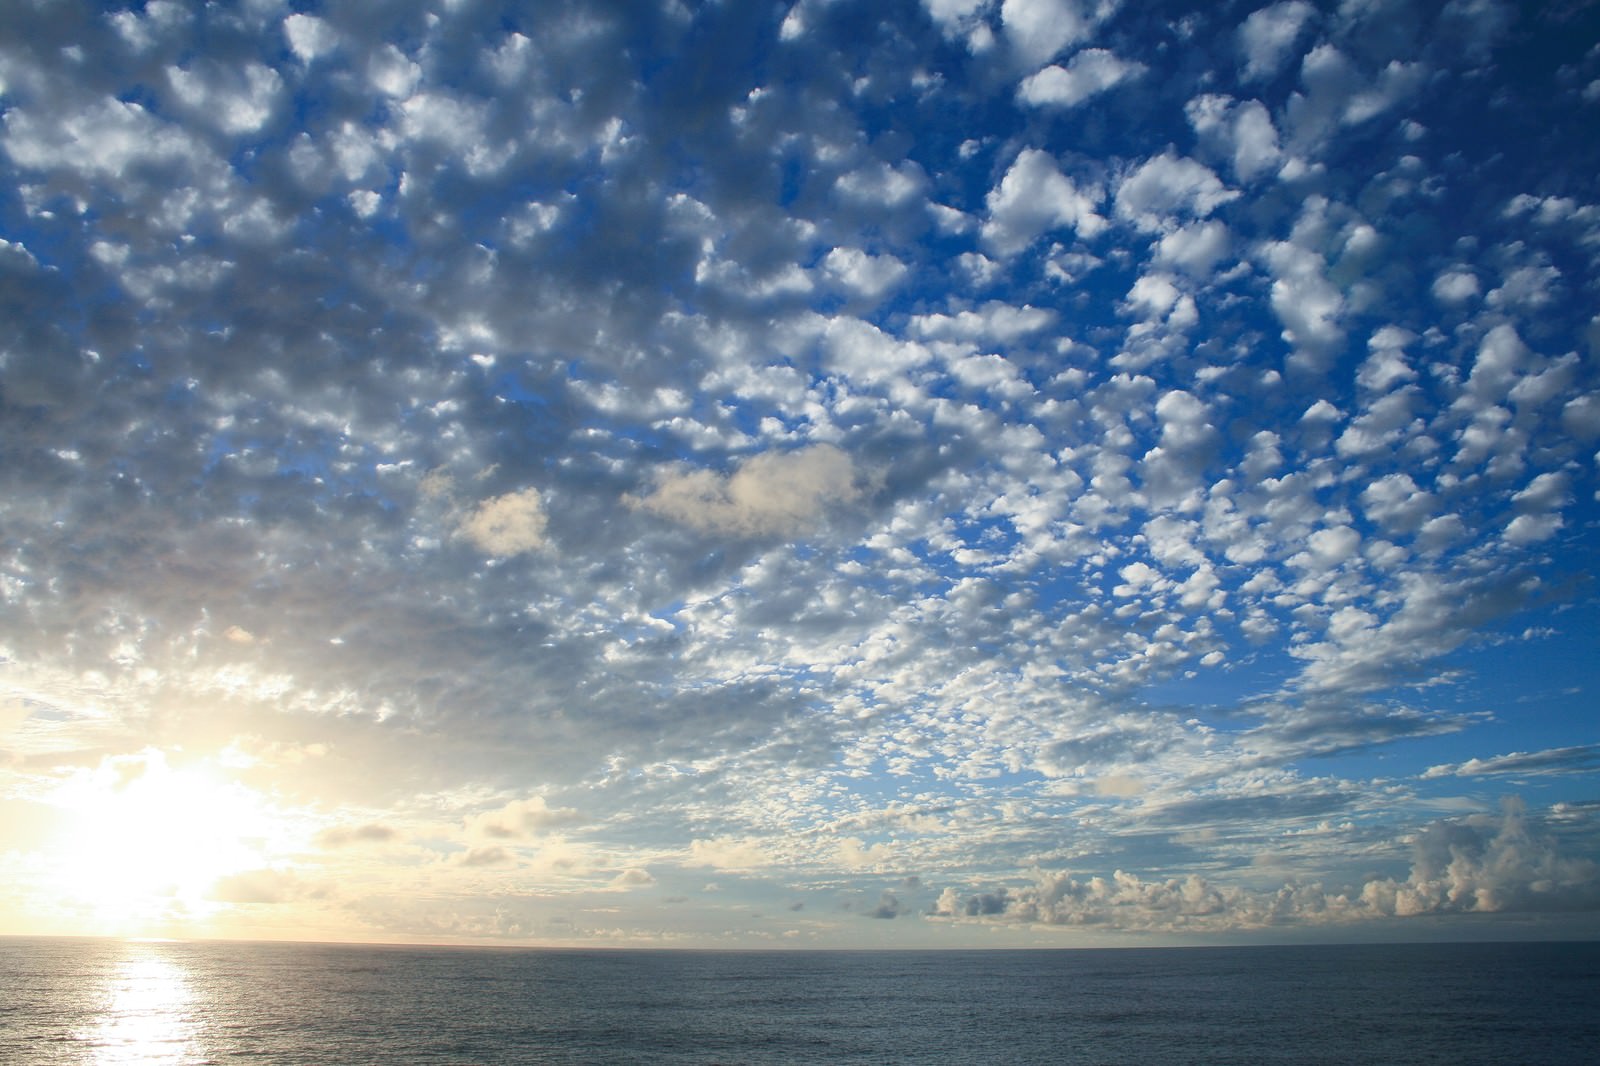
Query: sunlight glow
x=146, y=842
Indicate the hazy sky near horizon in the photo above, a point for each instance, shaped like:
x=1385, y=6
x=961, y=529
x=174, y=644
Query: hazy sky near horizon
x=841, y=473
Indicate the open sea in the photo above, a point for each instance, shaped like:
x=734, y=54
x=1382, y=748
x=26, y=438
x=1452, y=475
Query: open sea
x=105, y=1001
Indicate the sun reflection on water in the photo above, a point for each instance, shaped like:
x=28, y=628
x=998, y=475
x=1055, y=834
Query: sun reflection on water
x=150, y=1011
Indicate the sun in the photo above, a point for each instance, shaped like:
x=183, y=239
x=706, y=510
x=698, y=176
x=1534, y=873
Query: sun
x=145, y=843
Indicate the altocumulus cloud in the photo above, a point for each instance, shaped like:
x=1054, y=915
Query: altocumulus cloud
x=662, y=475
x=770, y=493
x=507, y=525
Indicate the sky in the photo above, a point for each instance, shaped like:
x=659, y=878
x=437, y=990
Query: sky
x=951, y=473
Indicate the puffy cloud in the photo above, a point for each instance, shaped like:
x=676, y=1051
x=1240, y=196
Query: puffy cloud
x=1166, y=188
x=236, y=101
x=1530, y=529
x=867, y=275
x=1039, y=29
x=1338, y=93
x=893, y=486
x=1396, y=502
x=785, y=493
x=1242, y=132
x=1305, y=301
x=633, y=877
x=728, y=853
x=882, y=184
x=348, y=836
x=1480, y=864
x=309, y=36
x=1484, y=864
x=1033, y=198
x=1267, y=38
x=888, y=906
x=1195, y=249
x=521, y=819
x=1455, y=287
x=1089, y=73
x=507, y=525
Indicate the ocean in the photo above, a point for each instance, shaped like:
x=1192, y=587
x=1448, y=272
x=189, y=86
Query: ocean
x=103, y=1001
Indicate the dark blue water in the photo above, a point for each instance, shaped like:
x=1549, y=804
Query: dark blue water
x=86, y=1001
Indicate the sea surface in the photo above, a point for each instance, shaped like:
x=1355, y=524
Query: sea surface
x=105, y=1001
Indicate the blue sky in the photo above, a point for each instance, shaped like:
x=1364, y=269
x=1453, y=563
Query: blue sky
x=905, y=474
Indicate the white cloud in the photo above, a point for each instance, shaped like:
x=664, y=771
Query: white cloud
x=391, y=73
x=309, y=36
x=1531, y=529
x=865, y=274
x=1196, y=249
x=105, y=138
x=1089, y=73
x=1486, y=865
x=520, y=820
x=1153, y=295
x=1337, y=93
x=1242, y=131
x=1267, y=38
x=882, y=185
x=993, y=323
x=1305, y=300
x=946, y=12
x=1330, y=547
x=1397, y=503
x=1167, y=188
x=1039, y=29
x=1455, y=287
x=1033, y=198
x=236, y=101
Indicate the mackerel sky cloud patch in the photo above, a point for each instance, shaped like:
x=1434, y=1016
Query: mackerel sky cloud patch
x=669, y=473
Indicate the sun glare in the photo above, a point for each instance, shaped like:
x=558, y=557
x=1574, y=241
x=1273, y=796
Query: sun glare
x=146, y=843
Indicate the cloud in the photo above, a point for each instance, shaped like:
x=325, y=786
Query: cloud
x=952, y=436
x=309, y=36
x=867, y=275
x=1575, y=760
x=1267, y=38
x=1195, y=249
x=1487, y=865
x=237, y=102
x=889, y=906
x=347, y=836
x=1089, y=73
x=493, y=855
x=521, y=820
x=1243, y=132
x=265, y=886
x=1480, y=864
x=633, y=877
x=1166, y=187
x=1040, y=29
x=507, y=525
x=1033, y=198
x=786, y=493
x=728, y=853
